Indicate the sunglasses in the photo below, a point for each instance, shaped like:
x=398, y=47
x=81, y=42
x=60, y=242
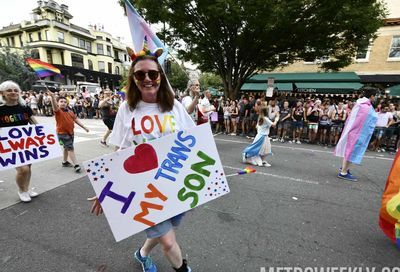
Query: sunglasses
x=141, y=75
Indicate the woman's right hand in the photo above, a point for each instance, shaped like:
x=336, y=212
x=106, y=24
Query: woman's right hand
x=96, y=206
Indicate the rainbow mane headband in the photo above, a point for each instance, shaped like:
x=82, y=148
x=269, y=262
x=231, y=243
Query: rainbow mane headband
x=144, y=52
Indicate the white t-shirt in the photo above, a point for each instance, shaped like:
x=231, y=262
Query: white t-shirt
x=186, y=101
x=264, y=128
x=205, y=103
x=383, y=119
x=147, y=122
x=272, y=112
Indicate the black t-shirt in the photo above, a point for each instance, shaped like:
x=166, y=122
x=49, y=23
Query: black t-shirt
x=108, y=111
x=17, y=115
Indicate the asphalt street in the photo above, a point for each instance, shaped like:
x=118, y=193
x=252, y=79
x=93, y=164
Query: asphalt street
x=293, y=214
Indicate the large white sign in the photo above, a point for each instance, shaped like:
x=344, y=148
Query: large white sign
x=141, y=186
x=22, y=145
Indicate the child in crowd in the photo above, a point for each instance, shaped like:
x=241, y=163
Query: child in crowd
x=65, y=119
x=256, y=153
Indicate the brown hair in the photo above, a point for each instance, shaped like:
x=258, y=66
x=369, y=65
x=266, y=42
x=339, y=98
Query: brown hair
x=165, y=96
x=262, y=112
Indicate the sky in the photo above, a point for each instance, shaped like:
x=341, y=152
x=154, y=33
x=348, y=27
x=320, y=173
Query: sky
x=104, y=12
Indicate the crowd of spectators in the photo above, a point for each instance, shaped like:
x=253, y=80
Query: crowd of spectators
x=317, y=119
x=84, y=106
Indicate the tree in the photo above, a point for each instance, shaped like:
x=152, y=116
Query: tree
x=178, y=76
x=210, y=80
x=13, y=67
x=235, y=39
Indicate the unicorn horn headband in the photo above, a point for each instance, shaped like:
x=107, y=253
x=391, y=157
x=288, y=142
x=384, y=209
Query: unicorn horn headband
x=144, y=52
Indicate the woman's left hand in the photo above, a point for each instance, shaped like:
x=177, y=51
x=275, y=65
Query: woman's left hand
x=96, y=206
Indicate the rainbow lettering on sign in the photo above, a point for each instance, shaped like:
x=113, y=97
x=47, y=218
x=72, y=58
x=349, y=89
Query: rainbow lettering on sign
x=149, y=123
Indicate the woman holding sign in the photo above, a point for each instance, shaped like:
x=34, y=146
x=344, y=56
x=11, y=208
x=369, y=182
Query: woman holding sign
x=150, y=100
x=13, y=112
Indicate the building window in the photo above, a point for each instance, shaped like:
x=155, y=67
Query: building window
x=30, y=37
x=394, y=51
x=82, y=43
x=60, y=36
x=90, y=65
x=99, y=37
x=35, y=54
x=48, y=38
x=39, y=36
x=109, y=67
x=125, y=57
x=109, y=51
x=20, y=41
x=100, y=49
x=89, y=47
x=12, y=42
x=116, y=70
x=77, y=60
x=362, y=54
x=108, y=40
x=49, y=56
x=59, y=17
x=75, y=41
x=101, y=66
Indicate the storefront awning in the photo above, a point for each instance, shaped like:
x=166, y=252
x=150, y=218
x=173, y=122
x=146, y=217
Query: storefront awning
x=262, y=87
x=328, y=87
x=395, y=90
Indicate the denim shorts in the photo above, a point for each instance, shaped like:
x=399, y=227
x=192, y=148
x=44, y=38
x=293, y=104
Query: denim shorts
x=66, y=141
x=162, y=228
x=379, y=132
x=297, y=124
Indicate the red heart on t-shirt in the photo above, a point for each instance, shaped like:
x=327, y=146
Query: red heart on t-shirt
x=145, y=159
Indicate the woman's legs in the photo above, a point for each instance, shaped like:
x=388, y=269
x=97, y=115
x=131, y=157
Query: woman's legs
x=169, y=245
x=23, y=177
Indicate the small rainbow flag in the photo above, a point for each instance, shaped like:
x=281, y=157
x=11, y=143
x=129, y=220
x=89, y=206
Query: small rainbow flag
x=43, y=69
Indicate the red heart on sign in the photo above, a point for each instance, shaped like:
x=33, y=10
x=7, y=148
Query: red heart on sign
x=145, y=159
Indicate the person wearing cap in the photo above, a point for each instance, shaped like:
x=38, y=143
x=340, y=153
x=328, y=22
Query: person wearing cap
x=357, y=133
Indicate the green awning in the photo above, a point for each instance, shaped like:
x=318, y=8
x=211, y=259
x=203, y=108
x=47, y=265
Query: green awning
x=307, y=77
x=395, y=90
x=262, y=87
x=328, y=87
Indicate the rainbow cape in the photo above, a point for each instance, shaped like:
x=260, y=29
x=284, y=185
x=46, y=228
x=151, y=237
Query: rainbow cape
x=389, y=215
x=43, y=69
x=357, y=132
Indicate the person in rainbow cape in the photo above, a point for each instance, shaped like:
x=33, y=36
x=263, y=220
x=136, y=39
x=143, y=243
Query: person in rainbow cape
x=357, y=133
x=389, y=215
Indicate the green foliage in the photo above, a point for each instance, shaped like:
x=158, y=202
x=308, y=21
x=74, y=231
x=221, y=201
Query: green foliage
x=210, y=80
x=178, y=76
x=13, y=67
x=236, y=38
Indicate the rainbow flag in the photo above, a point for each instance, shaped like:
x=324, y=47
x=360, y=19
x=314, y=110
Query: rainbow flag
x=389, y=215
x=43, y=69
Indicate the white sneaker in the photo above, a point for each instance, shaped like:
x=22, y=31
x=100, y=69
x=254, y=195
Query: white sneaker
x=24, y=196
x=251, y=161
x=298, y=142
x=32, y=193
x=244, y=160
x=291, y=142
x=282, y=140
x=258, y=161
x=266, y=164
